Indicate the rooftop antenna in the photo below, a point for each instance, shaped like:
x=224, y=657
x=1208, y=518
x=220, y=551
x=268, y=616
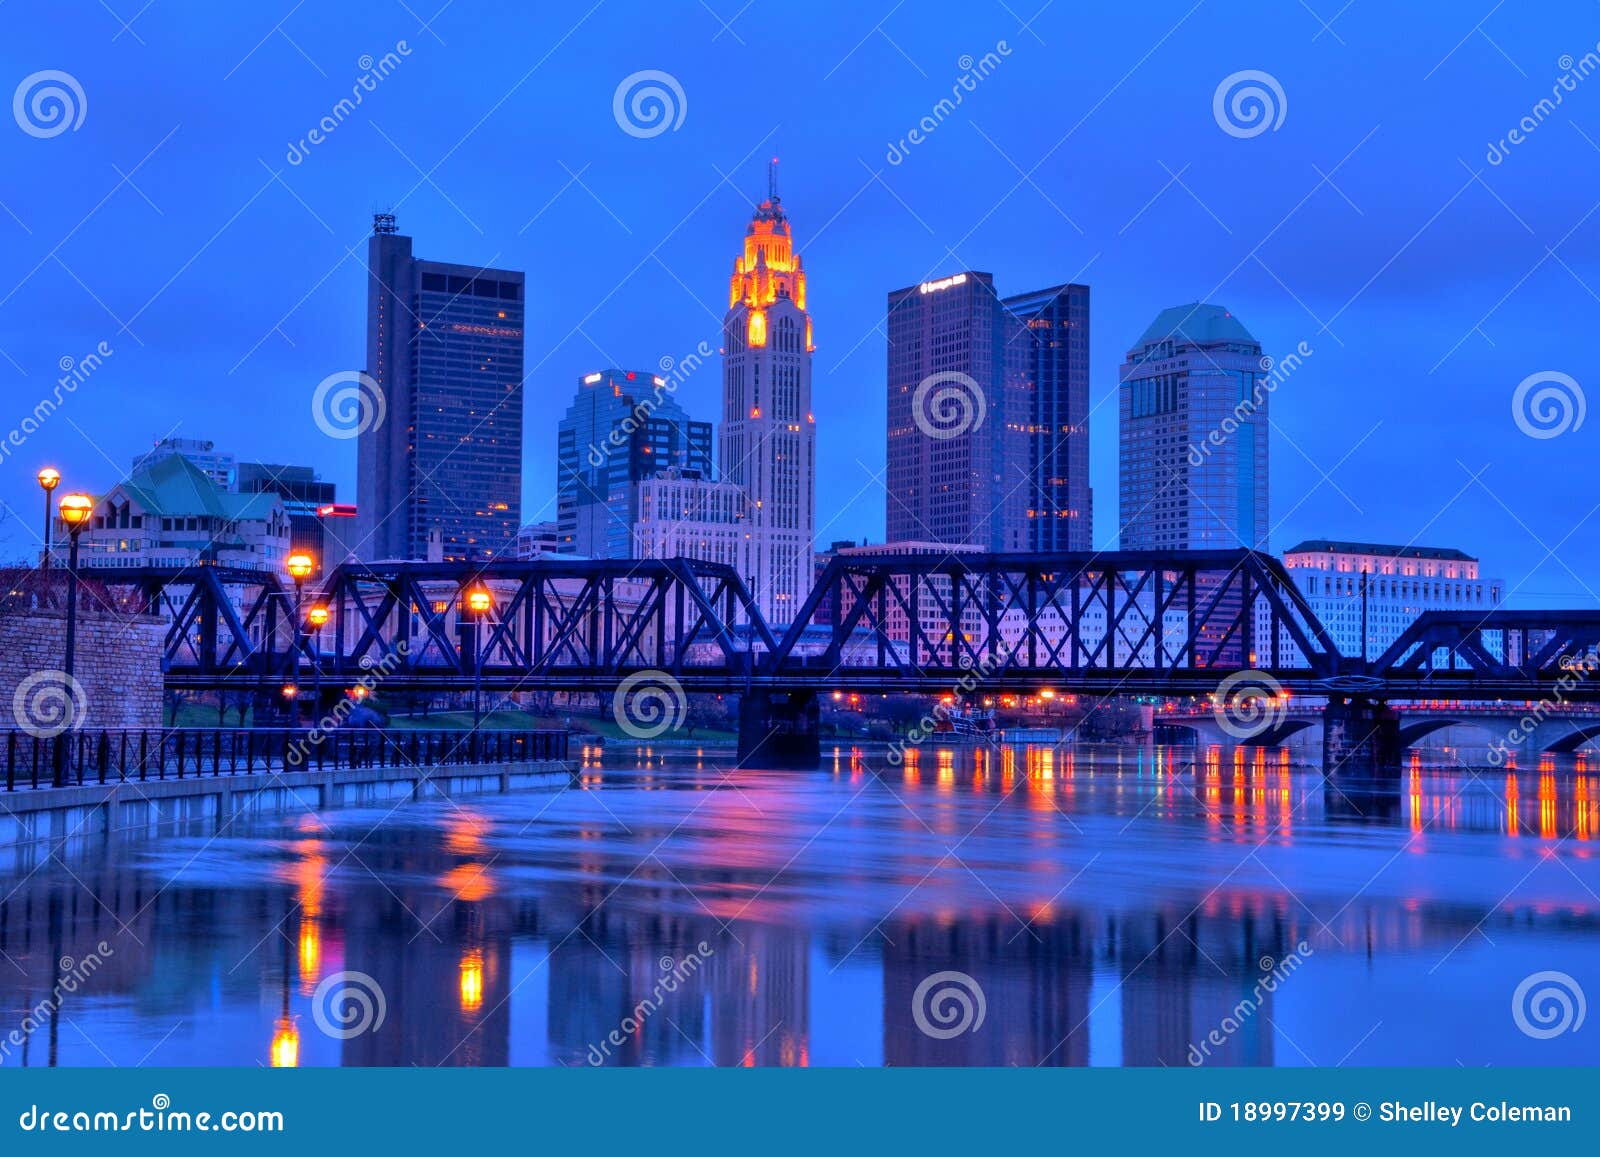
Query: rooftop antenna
x=383, y=222
x=772, y=180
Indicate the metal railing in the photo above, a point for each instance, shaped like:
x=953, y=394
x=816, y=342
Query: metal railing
x=105, y=757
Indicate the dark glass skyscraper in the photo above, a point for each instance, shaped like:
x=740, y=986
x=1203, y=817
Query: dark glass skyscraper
x=444, y=344
x=1054, y=335
x=622, y=428
x=959, y=412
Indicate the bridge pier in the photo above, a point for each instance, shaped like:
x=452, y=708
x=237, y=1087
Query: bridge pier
x=780, y=729
x=1360, y=739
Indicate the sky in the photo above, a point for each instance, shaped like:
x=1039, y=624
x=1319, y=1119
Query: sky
x=1385, y=219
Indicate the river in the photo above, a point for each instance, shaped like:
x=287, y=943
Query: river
x=1090, y=906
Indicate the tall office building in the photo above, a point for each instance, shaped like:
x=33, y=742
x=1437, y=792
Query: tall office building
x=622, y=427
x=444, y=345
x=1193, y=434
x=959, y=411
x=1054, y=333
x=305, y=497
x=767, y=441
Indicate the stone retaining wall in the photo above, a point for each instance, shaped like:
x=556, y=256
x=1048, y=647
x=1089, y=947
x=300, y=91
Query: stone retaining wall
x=117, y=671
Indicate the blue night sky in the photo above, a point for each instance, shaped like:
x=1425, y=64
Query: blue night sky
x=1370, y=224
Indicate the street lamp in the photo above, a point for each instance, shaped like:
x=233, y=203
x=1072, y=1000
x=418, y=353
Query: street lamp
x=49, y=479
x=76, y=511
x=299, y=565
x=479, y=603
x=318, y=617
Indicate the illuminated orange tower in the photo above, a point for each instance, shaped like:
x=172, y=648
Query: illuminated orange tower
x=768, y=438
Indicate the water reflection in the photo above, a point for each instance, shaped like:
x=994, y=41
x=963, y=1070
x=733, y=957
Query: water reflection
x=1114, y=906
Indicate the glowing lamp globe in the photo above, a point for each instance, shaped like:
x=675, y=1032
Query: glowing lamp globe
x=76, y=510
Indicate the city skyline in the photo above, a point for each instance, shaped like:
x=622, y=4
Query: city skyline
x=1252, y=240
x=848, y=536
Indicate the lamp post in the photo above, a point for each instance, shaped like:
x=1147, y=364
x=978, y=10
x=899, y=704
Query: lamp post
x=76, y=510
x=299, y=565
x=318, y=617
x=49, y=479
x=479, y=603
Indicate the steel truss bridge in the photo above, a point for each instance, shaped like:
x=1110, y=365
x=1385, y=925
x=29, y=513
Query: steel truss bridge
x=1125, y=622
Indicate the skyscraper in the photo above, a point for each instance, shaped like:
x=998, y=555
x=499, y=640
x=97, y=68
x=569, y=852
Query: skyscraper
x=1054, y=332
x=621, y=428
x=767, y=441
x=444, y=346
x=959, y=409
x=1193, y=434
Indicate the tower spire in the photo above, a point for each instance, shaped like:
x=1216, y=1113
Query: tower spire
x=772, y=180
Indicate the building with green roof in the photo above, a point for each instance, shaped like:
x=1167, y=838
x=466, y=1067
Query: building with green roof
x=171, y=513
